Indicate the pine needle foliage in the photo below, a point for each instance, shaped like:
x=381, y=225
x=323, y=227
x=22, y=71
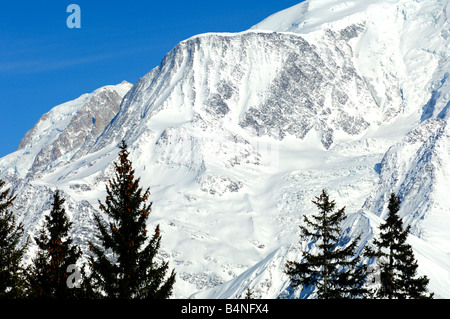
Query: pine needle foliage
x=56, y=252
x=395, y=259
x=333, y=269
x=123, y=264
x=12, y=279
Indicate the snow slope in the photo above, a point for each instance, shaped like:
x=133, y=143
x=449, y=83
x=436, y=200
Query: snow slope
x=236, y=133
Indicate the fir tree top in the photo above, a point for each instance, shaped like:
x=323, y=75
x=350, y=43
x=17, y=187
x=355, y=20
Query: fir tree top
x=131, y=271
x=48, y=277
x=334, y=269
x=12, y=281
x=395, y=258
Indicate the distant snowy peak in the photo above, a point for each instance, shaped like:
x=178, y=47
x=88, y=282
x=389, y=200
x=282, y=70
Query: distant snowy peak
x=60, y=132
x=314, y=15
x=59, y=117
x=397, y=45
x=253, y=83
x=337, y=68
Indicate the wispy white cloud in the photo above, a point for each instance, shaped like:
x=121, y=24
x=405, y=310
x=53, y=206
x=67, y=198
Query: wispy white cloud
x=39, y=65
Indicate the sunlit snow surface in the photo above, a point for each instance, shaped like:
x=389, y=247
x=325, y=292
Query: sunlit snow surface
x=236, y=134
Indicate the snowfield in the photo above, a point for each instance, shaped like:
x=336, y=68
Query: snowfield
x=236, y=133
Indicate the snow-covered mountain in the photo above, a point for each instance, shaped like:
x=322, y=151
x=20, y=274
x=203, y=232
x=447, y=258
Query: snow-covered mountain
x=236, y=133
x=60, y=133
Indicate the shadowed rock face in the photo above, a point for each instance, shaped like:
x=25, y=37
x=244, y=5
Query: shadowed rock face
x=270, y=84
x=85, y=125
x=310, y=92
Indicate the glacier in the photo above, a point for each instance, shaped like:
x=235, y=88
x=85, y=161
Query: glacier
x=236, y=133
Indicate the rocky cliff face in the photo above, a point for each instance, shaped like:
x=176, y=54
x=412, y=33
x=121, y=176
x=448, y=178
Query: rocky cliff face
x=61, y=132
x=55, y=140
x=270, y=84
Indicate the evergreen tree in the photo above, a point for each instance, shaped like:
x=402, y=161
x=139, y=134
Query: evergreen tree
x=56, y=251
x=334, y=269
x=395, y=258
x=123, y=266
x=249, y=294
x=12, y=280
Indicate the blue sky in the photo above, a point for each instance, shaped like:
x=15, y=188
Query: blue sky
x=44, y=63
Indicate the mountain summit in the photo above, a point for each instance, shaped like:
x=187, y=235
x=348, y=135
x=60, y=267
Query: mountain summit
x=236, y=133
